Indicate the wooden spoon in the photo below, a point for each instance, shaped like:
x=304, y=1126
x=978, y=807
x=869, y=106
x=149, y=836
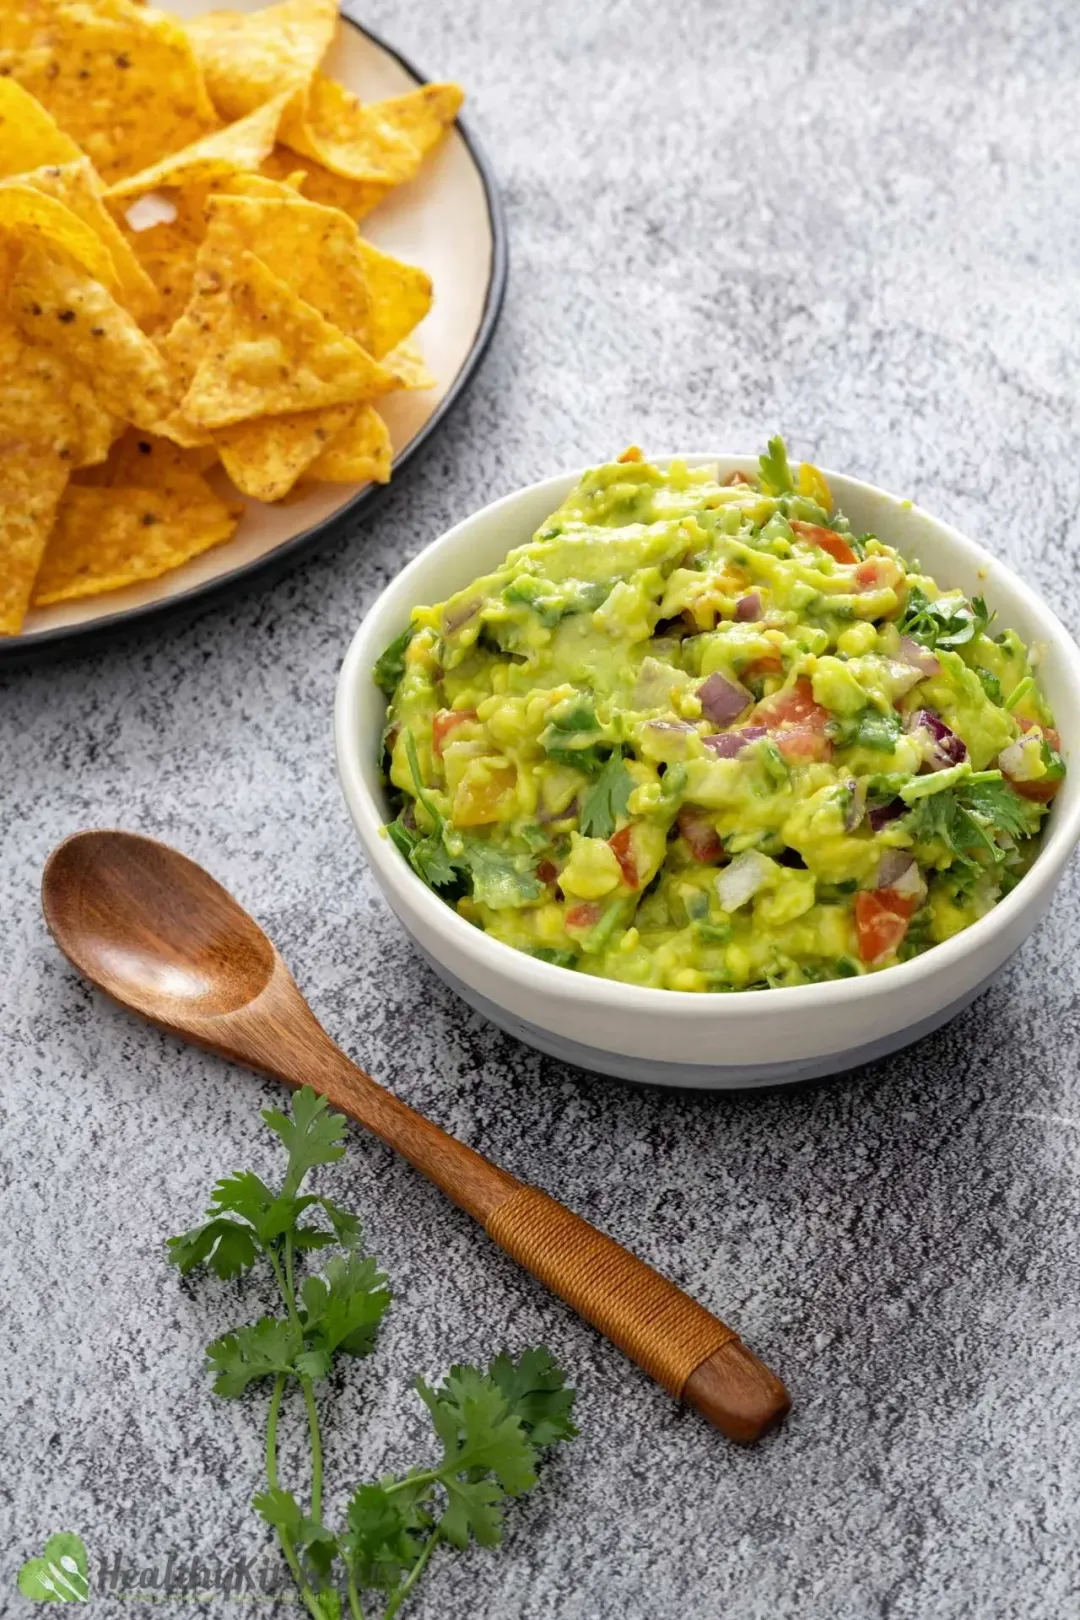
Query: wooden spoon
x=155, y=932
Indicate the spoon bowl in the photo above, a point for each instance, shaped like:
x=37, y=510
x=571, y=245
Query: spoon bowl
x=151, y=928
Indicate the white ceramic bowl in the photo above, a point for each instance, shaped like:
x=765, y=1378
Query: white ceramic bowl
x=761, y=1037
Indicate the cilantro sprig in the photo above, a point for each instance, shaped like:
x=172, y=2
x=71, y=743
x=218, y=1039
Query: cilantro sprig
x=492, y=1425
x=950, y=622
x=967, y=817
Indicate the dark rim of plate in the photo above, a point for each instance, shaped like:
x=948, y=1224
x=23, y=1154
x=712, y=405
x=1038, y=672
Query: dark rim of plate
x=78, y=637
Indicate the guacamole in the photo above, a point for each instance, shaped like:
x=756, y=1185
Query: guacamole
x=698, y=734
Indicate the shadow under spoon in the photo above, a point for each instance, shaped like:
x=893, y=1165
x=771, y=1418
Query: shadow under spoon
x=160, y=936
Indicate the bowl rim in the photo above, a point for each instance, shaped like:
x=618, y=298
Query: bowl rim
x=611, y=995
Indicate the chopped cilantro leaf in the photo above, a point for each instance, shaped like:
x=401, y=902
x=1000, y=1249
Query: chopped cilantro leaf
x=557, y=958
x=991, y=685
x=776, y=476
x=607, y=799
x=870, y=728
x=390, y=665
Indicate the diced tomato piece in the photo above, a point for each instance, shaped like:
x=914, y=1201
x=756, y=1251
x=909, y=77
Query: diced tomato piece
x=1048, y=732
x=881, y=922
x=826, y=539
x=622, y=849
x=444, y=723
x=762, y=666
x=700, y=834
x=795, y=707
x=547, y=871
x=736, y=477
x=631, y=454
x=797, y=722
x=876, y=574
x=587, y=915
x=1040, y=792
x=799, y=744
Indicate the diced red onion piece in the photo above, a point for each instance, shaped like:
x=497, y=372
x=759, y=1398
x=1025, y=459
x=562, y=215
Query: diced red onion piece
x=454, y=621
x=669, y=738
x=911, y=884
x=902, y=677
x=572, y=809
x=882, y=814
x=857, y=804
x=722, y=701
x=1020, y=762
x=893, y=867
x=920, y=658
x=748, y=608
x=727, y=744
x=942, y=747
x=740, y=881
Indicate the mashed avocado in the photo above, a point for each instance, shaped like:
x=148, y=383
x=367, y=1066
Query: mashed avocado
x=699, y=735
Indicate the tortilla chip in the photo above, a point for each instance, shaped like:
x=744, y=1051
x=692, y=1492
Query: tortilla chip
x=377, y=142
x=247, y=57
x=261, y=185
x=57, y=306
x=314, y=250
x=423, y=116
x=406, y=363
x=105, y=539
x=353, y=197
x=28, y=136
x=38, y=219
x=265, y=458
x=168, y=251
x=32, y=480
x=360, y=452
x=120, y=79
x=145, y=461
x=96, y=428
x=76, y=185
x=41, y=394
x=238, y=146
x=399, y=294
x=272, y=353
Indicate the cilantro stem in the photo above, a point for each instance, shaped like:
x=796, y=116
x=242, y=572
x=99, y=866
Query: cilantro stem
x=430, y=1476
x=310, y=1601
x=355, y=1607
x=316, y=1448
x=288, y=1293
x=418, y=781
x=400, y=1593
x=1019, y=693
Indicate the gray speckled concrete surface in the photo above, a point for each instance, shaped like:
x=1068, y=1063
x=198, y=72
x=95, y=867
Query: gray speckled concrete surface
x=860, y=224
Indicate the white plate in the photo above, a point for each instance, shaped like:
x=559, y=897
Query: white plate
x=449, y=220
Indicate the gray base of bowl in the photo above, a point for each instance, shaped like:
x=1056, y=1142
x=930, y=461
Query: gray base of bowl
x=699, y=1076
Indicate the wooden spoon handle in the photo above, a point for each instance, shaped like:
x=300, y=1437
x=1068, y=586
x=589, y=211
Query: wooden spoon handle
x=694, y=1355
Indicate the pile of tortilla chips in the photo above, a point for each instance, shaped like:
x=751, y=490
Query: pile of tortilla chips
x=183, y=287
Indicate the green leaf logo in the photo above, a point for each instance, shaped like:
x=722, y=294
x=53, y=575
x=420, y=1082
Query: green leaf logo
x=59, y=1576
